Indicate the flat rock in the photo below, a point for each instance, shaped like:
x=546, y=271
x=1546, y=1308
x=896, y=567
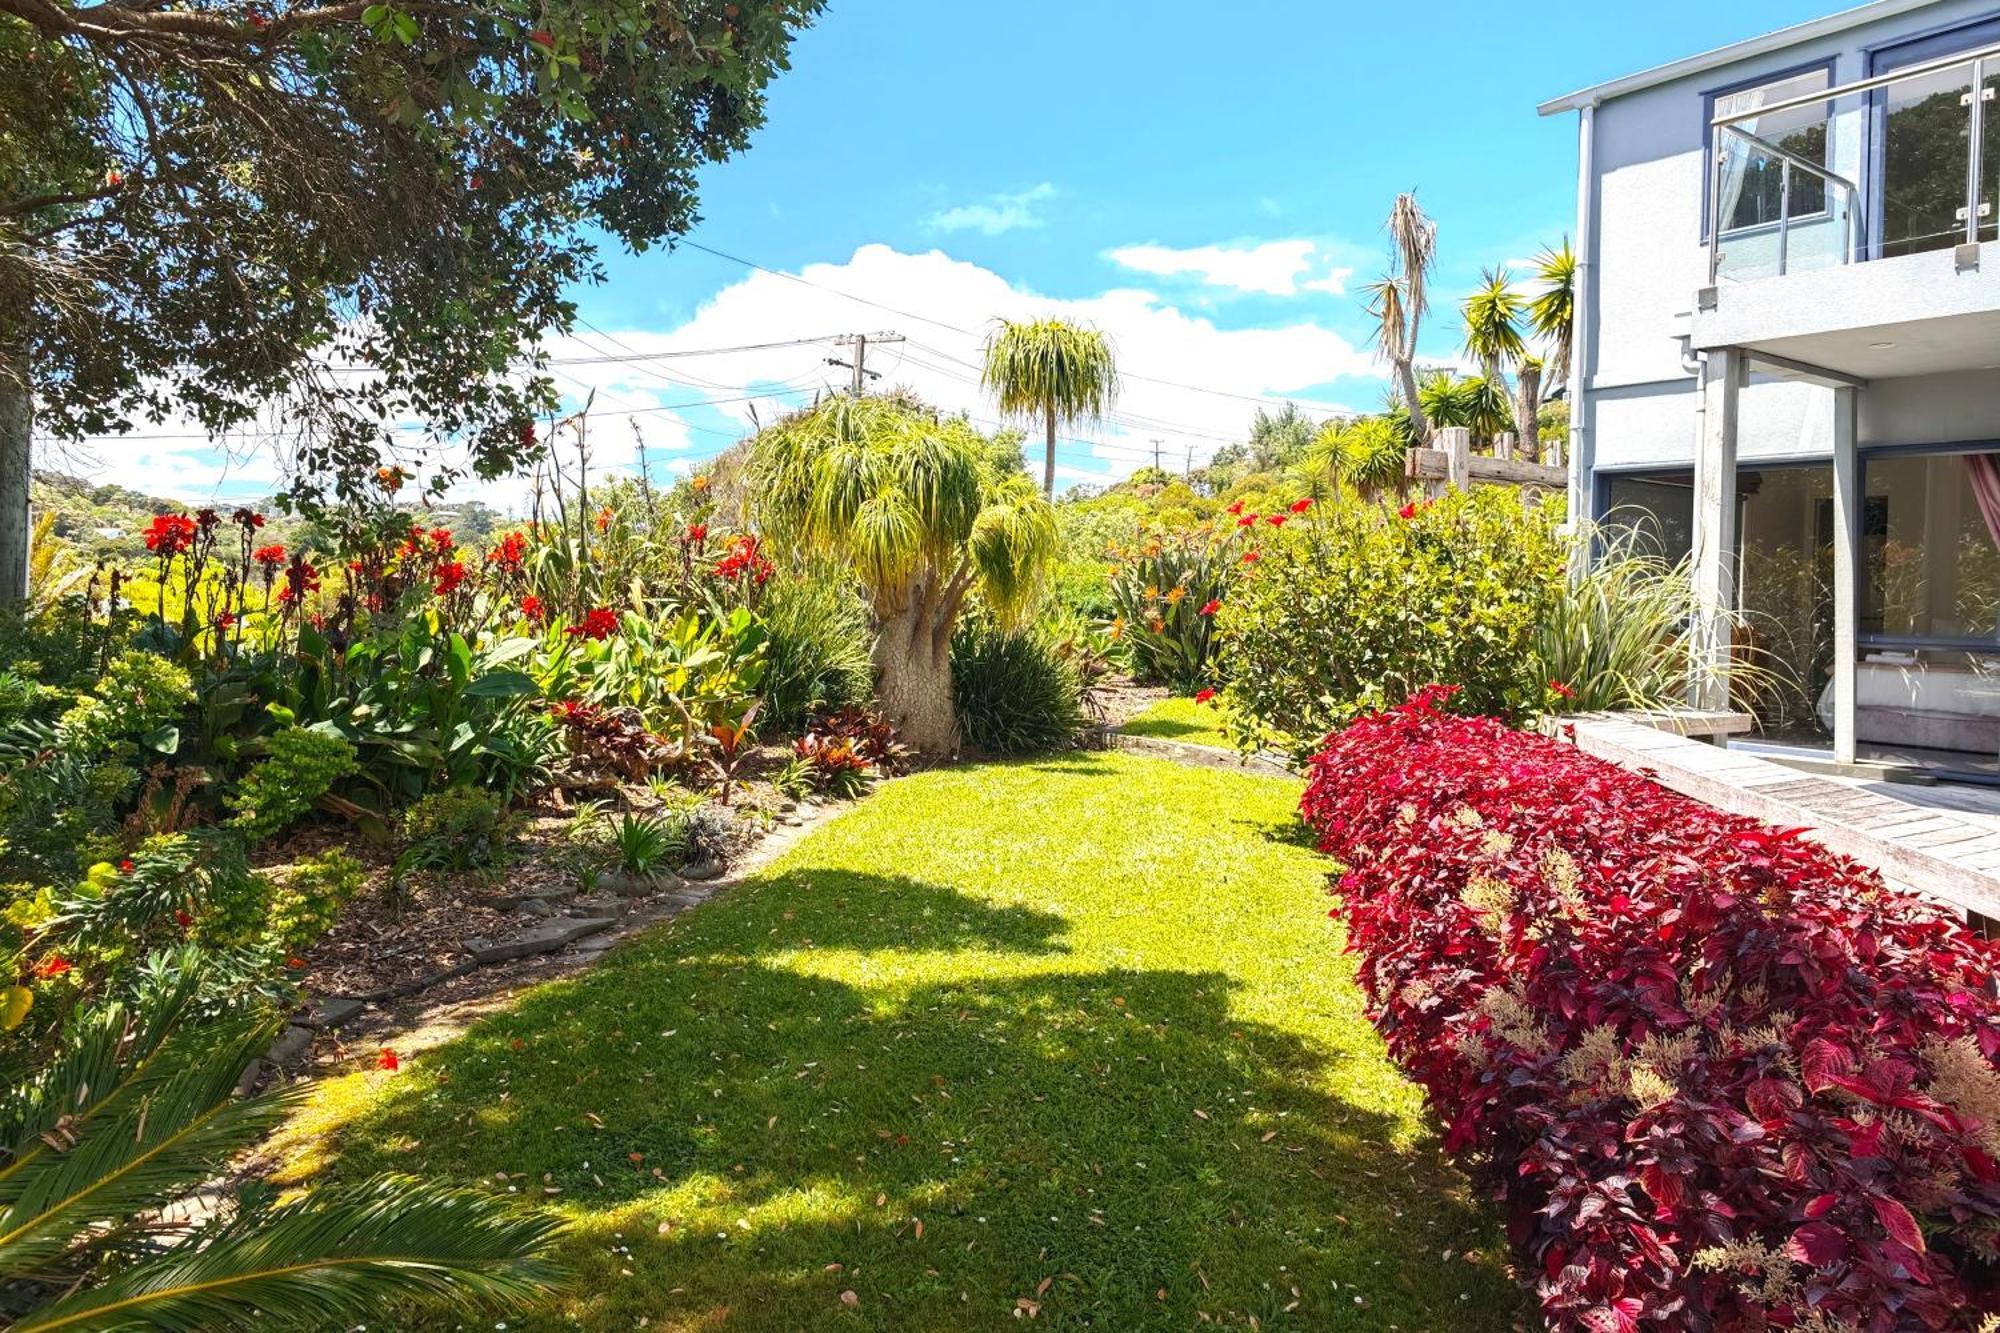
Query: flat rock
x=291, y=1045
x=537, y=939
x=332, y=1012
x=637, y=886
x=702, y=871
x=547, y=896
x=536, y=907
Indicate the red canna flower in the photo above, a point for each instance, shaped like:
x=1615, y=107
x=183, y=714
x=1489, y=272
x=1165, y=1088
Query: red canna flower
x=269, y=556
x=1277, y=520
x=532, y=608
x=1203, y=696
x=1252, y=557
x=1236, y=508
x=1247, y=521
x=127, y=866
x=296, y=963
x=183, y=919
x=450, y=576
x=441, y=540
x=387, y=1060
x=1300, y=506
x=697, y=533
x=511, y=551
x=600, y=623
x=52, y=966
x=170, y=534
x=1562, y=691
x=225, y=621
x=1210, y=607
x=1408, y=511
x=604, y=517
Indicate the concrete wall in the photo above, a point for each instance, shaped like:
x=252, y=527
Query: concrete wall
x=1650, y=258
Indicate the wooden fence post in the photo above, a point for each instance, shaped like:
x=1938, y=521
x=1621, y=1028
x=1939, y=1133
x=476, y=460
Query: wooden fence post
x=1503, y=444
x=1456, y=441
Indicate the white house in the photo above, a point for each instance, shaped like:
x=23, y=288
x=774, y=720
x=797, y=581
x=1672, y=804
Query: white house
x=1788, y=361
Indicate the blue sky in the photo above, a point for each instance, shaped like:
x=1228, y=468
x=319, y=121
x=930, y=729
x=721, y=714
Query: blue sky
x=1207, y=186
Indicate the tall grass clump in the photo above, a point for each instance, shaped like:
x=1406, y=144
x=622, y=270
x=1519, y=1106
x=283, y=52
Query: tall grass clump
x=818, y=652
x=1015, y=690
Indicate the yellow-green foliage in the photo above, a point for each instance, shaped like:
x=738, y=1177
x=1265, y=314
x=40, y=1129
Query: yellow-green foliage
x=140, y=693
x=299, y=767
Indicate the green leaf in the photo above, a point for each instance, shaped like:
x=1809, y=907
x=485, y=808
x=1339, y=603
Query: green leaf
x=502, y=685
x=165, y=739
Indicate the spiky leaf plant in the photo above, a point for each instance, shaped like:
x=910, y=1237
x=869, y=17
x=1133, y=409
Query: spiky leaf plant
x=138, y=1108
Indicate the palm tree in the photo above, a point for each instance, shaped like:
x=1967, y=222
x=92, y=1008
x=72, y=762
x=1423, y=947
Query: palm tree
x=1552, y=313
x=1494, y=314
x=1399, y=299
x=903, y=499
x=137, y=1108
x=1053, y=371
x=1368, y=454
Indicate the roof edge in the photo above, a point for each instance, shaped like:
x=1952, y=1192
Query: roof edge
x=1749, y=49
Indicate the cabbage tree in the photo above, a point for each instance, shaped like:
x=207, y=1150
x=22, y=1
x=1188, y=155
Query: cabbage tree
x=903, y=498
x=1053, y=371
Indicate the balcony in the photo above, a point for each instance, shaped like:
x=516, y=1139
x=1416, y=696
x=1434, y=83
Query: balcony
x=1848, y=224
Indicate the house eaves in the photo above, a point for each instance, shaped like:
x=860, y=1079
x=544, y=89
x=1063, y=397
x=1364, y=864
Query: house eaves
x=1783, y=38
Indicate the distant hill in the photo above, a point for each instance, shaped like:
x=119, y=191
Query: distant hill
x=108, y=522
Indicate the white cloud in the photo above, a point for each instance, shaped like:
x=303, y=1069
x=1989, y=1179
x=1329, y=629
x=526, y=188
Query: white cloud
x=1188, y=383
x=1333, y=284
x=1271, y=268
x=998, y=213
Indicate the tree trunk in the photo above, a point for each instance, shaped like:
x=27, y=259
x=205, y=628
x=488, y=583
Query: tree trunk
x=1528, y=411
x=1049, y=467
x=914, y=672
x=1420, y=429
x=16, y=454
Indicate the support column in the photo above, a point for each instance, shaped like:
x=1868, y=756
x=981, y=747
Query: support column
x=1846, y=567
x=1715, y=530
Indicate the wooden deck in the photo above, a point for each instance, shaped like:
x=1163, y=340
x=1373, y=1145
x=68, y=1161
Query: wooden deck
x=1951, y=858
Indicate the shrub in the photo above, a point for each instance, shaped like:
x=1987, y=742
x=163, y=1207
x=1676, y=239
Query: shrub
x=1616, y=636
x=299, y=767
x=1357, y=606
x=1721, y=1077
x=459, y=828
x=310, y=897
x=1159, y=591
x=1014, y=691
x=646, y=843
x=817, y=658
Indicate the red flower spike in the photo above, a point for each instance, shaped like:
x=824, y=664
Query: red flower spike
x=1211, y=606
x=1300, y=506
x=1203, y=696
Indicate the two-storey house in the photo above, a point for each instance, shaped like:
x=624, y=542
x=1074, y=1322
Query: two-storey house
x=1787, y=365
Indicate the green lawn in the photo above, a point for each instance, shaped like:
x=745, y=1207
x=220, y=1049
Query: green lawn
x=1075, y=1032
x=1181, y=719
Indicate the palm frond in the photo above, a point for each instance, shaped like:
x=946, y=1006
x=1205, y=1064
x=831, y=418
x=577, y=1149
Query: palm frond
x=327, y=1261
x=1014, y=544
x=1494, y=313
x=1552, y=312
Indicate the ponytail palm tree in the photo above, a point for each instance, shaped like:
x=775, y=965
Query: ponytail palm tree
x=902, y=498
x=139, y=1107
x=1054, y=372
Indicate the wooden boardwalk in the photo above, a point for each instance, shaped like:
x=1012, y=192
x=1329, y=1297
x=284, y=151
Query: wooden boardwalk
x=1948, y=857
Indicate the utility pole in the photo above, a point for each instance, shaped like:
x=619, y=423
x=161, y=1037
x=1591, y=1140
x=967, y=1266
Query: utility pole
x=1187, y=473
x=859, y=365
x=1156, y=456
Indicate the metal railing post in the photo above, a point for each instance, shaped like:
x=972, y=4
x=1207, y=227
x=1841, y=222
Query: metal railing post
x=1715, y=209
x=1977, y=151
x=1784, y=216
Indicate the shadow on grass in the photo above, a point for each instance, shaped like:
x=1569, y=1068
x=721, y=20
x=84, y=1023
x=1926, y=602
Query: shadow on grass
x=725, y=1118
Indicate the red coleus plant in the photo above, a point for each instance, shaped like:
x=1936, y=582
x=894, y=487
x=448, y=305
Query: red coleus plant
x=1721, y=1077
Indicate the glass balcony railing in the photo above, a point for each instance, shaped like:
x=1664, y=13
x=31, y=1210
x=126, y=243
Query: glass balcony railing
x=1894, y=165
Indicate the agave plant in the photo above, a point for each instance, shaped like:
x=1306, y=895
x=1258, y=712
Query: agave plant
x=138, y=1108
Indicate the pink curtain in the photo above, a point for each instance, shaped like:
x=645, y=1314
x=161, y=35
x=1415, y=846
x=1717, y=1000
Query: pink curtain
x=1984, y=470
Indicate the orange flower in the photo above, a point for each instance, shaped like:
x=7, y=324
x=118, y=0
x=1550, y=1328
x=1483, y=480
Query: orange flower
x=1175, y=595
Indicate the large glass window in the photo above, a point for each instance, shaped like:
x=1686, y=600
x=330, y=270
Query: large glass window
x=1752, y=182
x=1924, y=135
x=1785, y=594
x=1652, y=512
x=1931, y=546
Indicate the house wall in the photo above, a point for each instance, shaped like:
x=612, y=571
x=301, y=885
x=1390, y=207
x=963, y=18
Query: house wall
x=1649, y=257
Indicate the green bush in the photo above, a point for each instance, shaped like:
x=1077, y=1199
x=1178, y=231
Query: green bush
x=817, y=656
x=459, y=828
x=1015, y=692
x=1616, y=636
x=1359, y=606
x=299, y=767
x=307, y=901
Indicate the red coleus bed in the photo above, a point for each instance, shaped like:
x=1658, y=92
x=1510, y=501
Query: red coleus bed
x=1721, y=1077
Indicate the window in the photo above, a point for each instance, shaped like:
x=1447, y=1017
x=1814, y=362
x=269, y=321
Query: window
x=1752, y=179
x=1930, y=555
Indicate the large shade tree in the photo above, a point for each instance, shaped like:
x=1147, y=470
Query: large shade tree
x=1054, y=372
x=909, y=501
x=368, y=212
